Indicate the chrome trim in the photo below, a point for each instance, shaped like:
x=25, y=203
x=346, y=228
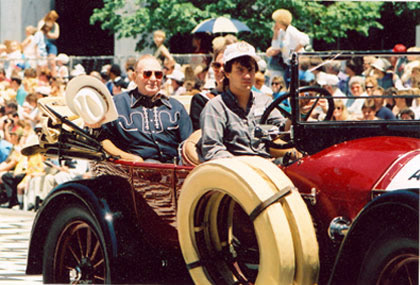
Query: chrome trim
x=311, y=197
x=338, y=228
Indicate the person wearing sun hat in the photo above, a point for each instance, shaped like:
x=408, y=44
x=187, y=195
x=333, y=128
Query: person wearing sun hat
x=380, y=71
x=229, y=121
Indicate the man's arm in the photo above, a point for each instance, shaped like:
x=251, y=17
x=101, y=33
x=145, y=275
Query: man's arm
x=212, y=125
x=112, y=149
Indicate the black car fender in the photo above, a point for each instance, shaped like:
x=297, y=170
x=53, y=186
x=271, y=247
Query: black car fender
x=393, y=211
x=109, y=200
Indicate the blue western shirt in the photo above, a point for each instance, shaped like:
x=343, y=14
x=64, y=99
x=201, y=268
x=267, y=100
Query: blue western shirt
x=149, y=127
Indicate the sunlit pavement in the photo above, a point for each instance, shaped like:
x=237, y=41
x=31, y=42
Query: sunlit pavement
x=15, y=230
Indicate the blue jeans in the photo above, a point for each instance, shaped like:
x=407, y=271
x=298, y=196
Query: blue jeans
x=51, y=47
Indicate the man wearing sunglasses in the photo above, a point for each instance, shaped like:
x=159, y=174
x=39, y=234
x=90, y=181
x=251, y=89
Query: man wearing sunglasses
x=150, y=126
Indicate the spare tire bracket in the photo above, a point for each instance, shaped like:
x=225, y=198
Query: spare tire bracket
x=267, y=203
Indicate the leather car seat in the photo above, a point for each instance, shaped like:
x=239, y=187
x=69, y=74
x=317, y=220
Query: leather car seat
x=189, y=152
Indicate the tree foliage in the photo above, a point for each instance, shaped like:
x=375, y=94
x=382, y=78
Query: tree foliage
x=321, y=20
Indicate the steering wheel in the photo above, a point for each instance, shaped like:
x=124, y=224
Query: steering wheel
x=315, y=94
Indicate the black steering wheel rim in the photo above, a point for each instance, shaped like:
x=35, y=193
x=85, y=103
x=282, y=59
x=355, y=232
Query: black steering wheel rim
x=275, y=104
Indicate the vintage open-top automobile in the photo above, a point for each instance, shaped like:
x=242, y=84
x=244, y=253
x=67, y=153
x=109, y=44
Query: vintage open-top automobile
x=346, y=212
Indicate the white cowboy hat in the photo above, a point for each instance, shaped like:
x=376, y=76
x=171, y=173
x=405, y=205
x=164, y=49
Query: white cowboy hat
x=89, y=98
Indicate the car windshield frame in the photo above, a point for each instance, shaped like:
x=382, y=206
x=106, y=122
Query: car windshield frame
x=313, y=136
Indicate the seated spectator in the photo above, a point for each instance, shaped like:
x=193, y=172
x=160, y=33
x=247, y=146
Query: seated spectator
x=62, y=70
x=16, y=85
x=352, y=68
x=412, y=61
x=200, y=99
x=389, y=100
x=382, y=112
x=119, y=86
x=398, y=62
x=150, y=126
x=260, y=86
x=14, y=56
x=384, y=78
x=330, y=83
x=15, y=180
x=405, y=102
x=340, y=111
x=369, y=110
x=229, y=121
x=5, y=149
x=354, y=105
x=177, y=78
x=367, y=65
x=370, y=84
x=278, y=86
x=41, y=185
x=406, y=114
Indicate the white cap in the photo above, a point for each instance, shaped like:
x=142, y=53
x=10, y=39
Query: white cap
x=44, y=90
x=78, y=70
x=239, y=49
x=177, y=75
x=63, y=58
x=327, y=79
x=262, y=65
x=381, y=64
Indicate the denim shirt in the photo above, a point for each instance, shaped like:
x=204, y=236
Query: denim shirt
x=149, y=127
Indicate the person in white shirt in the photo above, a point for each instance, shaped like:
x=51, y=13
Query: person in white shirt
x=286, y=39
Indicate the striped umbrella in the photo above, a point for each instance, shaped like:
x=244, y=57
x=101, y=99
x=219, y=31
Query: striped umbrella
x=221, y=25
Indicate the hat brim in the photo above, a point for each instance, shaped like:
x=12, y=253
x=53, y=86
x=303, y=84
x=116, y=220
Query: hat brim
x=83, y=81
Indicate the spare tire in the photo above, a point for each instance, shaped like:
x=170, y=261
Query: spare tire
x=215, y=197
x=300, y=221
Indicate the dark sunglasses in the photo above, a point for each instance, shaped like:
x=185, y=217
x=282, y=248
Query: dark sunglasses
x=275, y=83
x=147, y=74
x=216, y=65
x=369, y=87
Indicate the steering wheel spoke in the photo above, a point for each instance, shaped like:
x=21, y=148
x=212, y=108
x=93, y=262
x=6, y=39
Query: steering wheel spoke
x=317, y=96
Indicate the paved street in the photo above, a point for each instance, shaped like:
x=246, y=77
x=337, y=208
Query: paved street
x=15, y=230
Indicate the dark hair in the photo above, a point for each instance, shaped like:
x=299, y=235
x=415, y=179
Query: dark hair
x=17, y=79
x=355, y=65
x=120, y=83
x=12, y=105
x=408, y=112
x=104, y=75
x=245, y=61
x=115, y=69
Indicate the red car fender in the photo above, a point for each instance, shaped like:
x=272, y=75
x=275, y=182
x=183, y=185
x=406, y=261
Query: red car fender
x=344, y=175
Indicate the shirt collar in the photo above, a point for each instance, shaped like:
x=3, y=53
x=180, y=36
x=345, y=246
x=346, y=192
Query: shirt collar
x=138, y=99
x=232, y=102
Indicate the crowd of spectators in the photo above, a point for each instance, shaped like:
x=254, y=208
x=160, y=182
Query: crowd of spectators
x=34, y=69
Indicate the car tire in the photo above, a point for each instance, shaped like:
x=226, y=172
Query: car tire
x=391, y=259
x=300, y=221
x=201, y=209
x=75, y=251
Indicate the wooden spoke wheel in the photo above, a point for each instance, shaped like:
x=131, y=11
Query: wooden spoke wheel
x=75, y=252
